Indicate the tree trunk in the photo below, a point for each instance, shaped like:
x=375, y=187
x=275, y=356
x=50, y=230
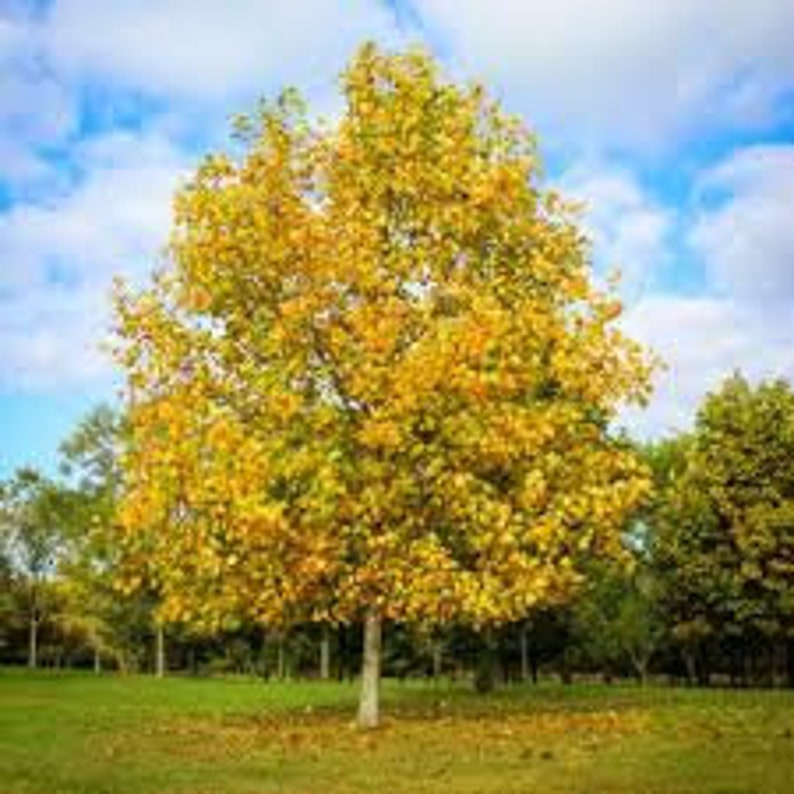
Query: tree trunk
x=533, y=665
x=265, y=664
x=369, y=700
x=524, y=653
x=97, y=661
x=341, y=651
x=438, y=658
x=325, y=654
x=159, y=655
x=691, y=669
x=485, y=673
x=281, y=665
x=33, y=641
x=640, y=662
x=566, y=675
x=744, y=672
x=781, y=664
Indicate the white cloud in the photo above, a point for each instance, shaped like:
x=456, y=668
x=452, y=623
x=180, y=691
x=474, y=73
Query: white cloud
x=36, y=110
x=49, y=339
x=103, y=207
x=13, y=34
x=210, y=49
x=745, y=233
x=626, y=71
x=35, y=106
x=597, y=75
x=702, y=340
x=629, y=229
x=57, y=258
x=738, y=224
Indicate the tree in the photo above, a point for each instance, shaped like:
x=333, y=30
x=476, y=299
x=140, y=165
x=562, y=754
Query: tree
x=373, y=380
x=725, y=542
x=744, y=461
x=91, y=603
x=89, y=461
x=638, y=625
x=689, y=548
x=6, y=594
x=31, y=517
x=90, y=458
x=615, y=619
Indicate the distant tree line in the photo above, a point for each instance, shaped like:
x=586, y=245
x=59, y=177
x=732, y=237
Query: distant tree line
x=702, y=594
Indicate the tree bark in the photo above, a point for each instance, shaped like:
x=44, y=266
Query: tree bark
x=281, y=665
x=790, y=664
x=781, y=664
x=369, y=699
x=691, y=669
x=159, y=655
x=566, y=675
x=265, y=665
x=524, y=653
x=325, y=653
x=640, y=662
x=97, y=661
x=341, y=651
x=438, y=659
x=33, y=641
x=485, y=673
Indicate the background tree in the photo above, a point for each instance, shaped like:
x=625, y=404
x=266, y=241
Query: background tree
x=31, y=515
x=6, y=595
x=744, y=461
x=91, y=604
x=616, y=624
x=374, y=380
x=724, y=542
x=89, y=461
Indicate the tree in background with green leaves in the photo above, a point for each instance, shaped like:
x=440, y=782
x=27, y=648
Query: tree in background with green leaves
x=31, y=520
x=615, y=621
x=724, y=525
x=114, y=625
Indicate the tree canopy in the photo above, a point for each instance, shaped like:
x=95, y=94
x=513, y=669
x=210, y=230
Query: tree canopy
x=374, y=377
x=724, y=528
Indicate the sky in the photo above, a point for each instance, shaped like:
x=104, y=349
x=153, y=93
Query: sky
x=673, y=120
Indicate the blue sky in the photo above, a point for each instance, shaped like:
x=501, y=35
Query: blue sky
x=672, y=119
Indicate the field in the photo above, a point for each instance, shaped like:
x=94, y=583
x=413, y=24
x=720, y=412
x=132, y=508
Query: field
x=70, y=733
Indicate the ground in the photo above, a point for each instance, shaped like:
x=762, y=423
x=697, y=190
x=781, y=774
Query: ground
x=75, y=733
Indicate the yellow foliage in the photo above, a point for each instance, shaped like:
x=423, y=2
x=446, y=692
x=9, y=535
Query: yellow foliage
x=375, y=371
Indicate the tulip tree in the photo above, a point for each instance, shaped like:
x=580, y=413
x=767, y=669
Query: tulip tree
x=373, y=379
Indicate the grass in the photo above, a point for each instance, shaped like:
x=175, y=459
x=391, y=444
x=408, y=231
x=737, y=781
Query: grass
x=79, y=734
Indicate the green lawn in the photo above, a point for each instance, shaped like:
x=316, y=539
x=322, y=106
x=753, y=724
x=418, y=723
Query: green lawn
x=63, y=734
